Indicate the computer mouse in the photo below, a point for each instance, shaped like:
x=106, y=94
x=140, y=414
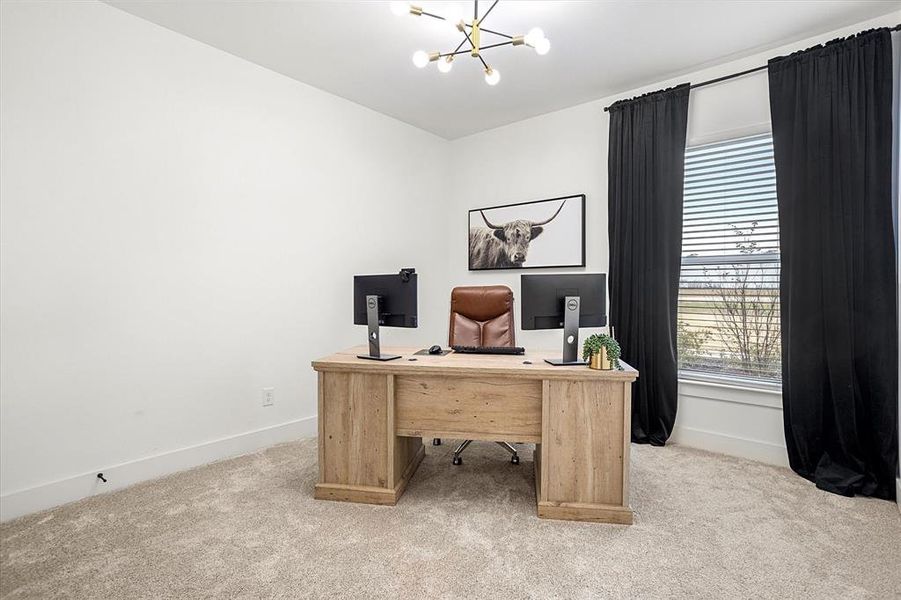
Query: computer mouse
x=436, y=349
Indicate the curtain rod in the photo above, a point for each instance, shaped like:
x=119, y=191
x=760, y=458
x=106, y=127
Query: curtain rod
x=739, y=74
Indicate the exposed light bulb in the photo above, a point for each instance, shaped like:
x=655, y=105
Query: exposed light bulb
x=446, y=64
x=399, y=8
x=542, y=46
x=492, y=76
x=535, y=34
x=420, y=58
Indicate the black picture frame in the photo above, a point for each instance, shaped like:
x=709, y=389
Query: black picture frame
x=581, y=263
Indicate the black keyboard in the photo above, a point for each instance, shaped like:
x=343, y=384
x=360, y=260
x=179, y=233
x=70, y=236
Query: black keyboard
x=489, y=349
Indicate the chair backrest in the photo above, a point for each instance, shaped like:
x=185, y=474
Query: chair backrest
x=482, y=316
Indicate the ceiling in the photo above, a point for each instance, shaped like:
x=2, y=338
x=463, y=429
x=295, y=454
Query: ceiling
x=362, y=51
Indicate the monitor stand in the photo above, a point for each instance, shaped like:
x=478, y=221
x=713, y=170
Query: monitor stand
x=570, y=334
x=372, y=318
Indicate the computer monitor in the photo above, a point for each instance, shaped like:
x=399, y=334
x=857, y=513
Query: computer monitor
x=567, y=302
x=388, y=300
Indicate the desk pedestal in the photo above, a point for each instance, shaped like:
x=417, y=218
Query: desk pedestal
x=360, y=457
x=582, y=463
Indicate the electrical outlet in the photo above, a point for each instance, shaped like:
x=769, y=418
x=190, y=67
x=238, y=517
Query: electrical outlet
x=268, y=396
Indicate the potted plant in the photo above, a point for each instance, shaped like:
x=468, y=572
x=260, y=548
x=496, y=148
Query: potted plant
x=601, y=351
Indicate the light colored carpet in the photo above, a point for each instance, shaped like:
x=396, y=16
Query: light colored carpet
x=707, y=526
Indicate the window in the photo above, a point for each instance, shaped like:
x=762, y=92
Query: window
x=729, y=286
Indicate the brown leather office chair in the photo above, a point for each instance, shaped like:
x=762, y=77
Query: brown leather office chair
x=482, y=316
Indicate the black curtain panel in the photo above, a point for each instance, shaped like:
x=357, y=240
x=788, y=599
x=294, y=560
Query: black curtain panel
x=646, y=163
x=832, y=126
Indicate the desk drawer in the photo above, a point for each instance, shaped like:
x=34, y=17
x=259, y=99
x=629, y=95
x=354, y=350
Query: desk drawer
x=493, y=409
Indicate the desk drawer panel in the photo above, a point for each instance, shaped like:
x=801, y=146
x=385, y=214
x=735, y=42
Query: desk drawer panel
x=584, y=452
x=353, y=429
x=496, y=409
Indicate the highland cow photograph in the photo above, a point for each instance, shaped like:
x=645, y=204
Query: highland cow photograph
x=529, y=235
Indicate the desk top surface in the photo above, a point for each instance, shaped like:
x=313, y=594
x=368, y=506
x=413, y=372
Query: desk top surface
x=454, y=364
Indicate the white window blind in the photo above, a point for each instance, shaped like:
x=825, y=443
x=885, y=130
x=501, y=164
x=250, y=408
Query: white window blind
x=729, y=285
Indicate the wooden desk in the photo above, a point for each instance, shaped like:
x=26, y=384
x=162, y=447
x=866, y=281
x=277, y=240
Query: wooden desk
x=373, y=416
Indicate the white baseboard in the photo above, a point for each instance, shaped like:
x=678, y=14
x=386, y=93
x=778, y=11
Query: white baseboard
x=766, y=452
x=49, y=495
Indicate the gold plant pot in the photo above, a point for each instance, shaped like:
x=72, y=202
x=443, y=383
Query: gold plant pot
x=600, y=361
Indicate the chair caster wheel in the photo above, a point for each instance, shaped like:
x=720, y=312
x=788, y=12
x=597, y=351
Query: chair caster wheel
x=436, y=441
x=458, y=460
x=514, y=459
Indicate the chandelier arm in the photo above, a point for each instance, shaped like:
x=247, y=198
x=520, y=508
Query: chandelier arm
x=488, y=12
x=489, y=31
x=458, y=51
x=454, y=53
x=471, y=44
x=498, y=45
x=440, y=18
x=484, y=64
x=433, y=15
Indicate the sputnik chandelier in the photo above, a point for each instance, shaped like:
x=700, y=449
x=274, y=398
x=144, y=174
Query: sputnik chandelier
x=472, y=33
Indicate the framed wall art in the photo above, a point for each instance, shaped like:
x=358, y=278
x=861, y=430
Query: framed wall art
x=529, y=235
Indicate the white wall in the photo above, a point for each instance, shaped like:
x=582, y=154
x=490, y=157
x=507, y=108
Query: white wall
x=179, y=230
x=557, y=154
x=565, y=152
x=179, y=227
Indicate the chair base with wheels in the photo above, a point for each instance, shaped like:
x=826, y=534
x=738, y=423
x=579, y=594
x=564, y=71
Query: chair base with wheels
x=458, y=460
